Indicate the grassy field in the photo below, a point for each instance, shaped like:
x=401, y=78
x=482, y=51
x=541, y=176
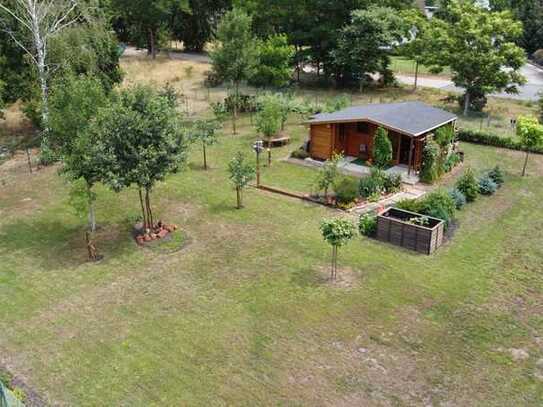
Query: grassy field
x=244, y=314
x=407, y=66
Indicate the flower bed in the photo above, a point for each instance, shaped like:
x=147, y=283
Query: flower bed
x=410, y=230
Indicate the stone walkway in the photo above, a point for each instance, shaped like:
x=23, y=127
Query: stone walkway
x=408, y=192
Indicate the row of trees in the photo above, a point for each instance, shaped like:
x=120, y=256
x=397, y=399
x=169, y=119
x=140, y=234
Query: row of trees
x=121, y=138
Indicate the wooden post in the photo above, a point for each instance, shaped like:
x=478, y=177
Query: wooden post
x=398, y=154
x=410, y=156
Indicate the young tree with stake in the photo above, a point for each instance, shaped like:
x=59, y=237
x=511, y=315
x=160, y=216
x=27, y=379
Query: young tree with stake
x=234, y=55
x=241, y=173
x=74, y=103
x=205, y=132
x=337, y=232
x=530, y=132
x=268, y=119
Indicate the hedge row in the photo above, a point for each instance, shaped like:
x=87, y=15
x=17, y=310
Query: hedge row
x=488, y=139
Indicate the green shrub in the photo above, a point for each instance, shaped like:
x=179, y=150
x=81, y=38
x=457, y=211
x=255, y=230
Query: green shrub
x=497, y=175
x=430, y=154
x=392, y=183
x=411, y=205
x=452, y=161
x=487, y=139
x=439, y=204
x=487, y=186
x=458, y=197
x=382, y=149
x=300, y=153
x=367, y=225
x=373, y=184
x=346, y=190
x=468, y=185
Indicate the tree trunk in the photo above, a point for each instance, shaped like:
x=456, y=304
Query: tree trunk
x=29, y=160
x=205, y=156
x=149, y=210
x=92, y=214
x=152, y=43
x=238, y=195
x=143, y=212
x=235, y=110
x=416, y=74
x=525, y=163
x=466, y=102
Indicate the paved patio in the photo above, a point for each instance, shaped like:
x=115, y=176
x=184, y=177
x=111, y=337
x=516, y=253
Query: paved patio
x=348, y=167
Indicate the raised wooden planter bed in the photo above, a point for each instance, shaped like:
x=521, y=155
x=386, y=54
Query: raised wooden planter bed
x=393, y=226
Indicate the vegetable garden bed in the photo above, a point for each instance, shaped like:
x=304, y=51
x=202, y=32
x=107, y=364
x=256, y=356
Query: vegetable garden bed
x=410, y=230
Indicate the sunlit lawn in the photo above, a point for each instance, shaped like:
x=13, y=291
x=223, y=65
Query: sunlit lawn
x=244, y=315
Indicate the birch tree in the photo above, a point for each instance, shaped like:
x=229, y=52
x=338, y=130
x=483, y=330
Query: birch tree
x=31, y=24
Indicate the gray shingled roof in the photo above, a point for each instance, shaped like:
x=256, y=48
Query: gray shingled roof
x=412, y=118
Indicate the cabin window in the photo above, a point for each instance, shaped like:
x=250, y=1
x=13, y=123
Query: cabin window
x=362, y=127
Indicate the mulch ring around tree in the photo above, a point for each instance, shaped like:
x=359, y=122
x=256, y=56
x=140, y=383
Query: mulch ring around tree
x=163, y=238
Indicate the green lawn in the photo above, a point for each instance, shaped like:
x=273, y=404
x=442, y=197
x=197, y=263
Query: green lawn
x=244, y=315
x=407, y=66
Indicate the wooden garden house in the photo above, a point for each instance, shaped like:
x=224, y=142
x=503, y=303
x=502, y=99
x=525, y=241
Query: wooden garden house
x=351, y=131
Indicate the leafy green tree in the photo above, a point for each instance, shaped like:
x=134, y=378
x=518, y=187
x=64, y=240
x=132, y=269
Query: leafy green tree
x=328, y=174
x=273, y=67
x=530, y=13
x=147, y=19
x=479, y=48
x=382, y=148
x=268, y=119
x=194, y=26
x=145, y=140
x=241, y=173
x=415, y=46
x=234, y=55
x=430, y=159
x=89, y=49
x=444, y=137
x=205, y=132
x=364, y=45
x=74, y=102
x=337, y=232
x=530, y=133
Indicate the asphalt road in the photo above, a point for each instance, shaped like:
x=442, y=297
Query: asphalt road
x=531, y=91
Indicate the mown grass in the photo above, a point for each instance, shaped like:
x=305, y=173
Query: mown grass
x=244, y=314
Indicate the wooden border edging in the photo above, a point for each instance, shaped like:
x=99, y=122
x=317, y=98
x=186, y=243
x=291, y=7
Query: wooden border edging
x=291, y=195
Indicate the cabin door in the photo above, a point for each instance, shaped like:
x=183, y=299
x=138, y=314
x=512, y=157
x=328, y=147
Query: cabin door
x=405, y=148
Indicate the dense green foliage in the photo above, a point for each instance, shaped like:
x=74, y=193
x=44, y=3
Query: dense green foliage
x=364, y=45
x=273, y=65
x=367, y=225
x=467, y=184
x=488, y=139
x=328, y=174
x=497, y=175
x=478, y=47
x=382, y=148
x=346, y=190
x=530, y=133
x=487, y=186
x=430, y=162
x=458, y=197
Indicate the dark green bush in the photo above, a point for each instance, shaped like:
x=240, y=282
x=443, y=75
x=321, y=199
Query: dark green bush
x=346, y=190
x=538, y=56
x=300, y=153
x=439, y=204
x=429, y=170
x=497, y=175
x=488, y=139
x=411, y=205
x=246, y=103
x=452, y=161
x=367, y=225
x=458, y=197
x=372, y=184
x=392, y=183
x=487, y=186
x=382, y=148
x=468, y=185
